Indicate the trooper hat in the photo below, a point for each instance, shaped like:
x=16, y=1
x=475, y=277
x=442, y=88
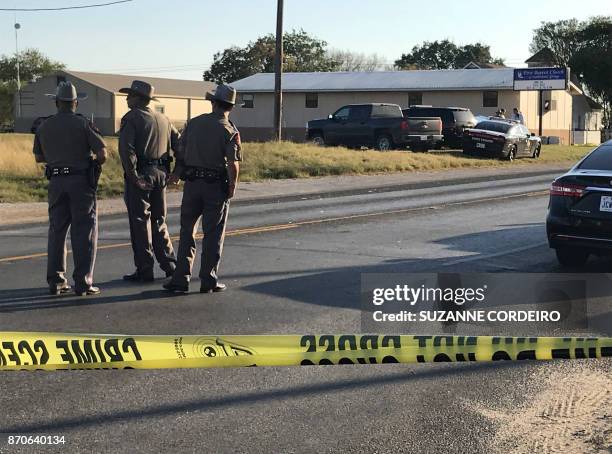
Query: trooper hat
x=65, y=91
x=140, y=88
x=223, y=93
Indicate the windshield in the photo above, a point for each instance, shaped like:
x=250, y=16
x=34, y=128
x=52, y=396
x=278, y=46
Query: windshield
x=493, y=126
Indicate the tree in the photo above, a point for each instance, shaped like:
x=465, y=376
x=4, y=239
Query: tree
x=302, y=53
x=560, y=37
x=445, y=55
x=232, y=64
x=33, y=64
x=478, y=53
x=429, y=55
x=586, y=48
x=305, y=54
x=355, y=61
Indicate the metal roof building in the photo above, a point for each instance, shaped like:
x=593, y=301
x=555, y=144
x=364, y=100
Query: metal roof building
x=307, y=96
x=178, y=99
x=456, y=79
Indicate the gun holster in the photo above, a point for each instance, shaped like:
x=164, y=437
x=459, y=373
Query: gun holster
x=225, y=182
x=93, y=174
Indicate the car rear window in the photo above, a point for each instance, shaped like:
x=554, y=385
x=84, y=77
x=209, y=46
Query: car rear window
x=464, y=116
x=418, y=112
x=386, y=111
x=493, y=126
x=599, y=159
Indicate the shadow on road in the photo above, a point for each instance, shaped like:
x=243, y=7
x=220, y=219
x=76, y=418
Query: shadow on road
x=34, y=299
x=334, y=287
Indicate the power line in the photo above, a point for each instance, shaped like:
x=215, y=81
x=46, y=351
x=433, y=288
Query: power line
x=66, y=7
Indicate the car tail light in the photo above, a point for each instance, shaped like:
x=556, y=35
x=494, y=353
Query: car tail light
x=440, y=124
x=403, y=124
x=566, y=190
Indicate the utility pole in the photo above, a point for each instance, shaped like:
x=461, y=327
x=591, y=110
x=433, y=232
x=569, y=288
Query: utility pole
x=17, y=27
x=278, y=73
x=540, y=112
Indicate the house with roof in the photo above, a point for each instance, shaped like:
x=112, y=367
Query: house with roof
x=307, y=96
x=178, y=99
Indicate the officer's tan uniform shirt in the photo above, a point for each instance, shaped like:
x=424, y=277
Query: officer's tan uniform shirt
x=145, y=134
x=209, y=141
x=67, y=140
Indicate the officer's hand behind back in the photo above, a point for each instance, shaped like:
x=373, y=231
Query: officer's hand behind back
x=101, y=156
x=173, y=179
x=143, y=184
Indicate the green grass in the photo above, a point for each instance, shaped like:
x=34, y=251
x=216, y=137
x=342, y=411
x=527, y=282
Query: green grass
x=22, y=180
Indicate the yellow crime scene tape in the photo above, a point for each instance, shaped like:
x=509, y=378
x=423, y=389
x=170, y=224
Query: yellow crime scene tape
x=61, y=351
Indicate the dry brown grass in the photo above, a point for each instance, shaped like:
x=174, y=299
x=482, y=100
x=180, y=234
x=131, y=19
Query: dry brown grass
x=21, y=178
x=14, y=159
x=292, y=160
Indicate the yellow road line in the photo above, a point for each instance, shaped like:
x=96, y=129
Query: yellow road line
x=278, y=227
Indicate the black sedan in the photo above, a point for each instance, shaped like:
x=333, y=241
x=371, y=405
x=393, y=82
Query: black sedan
x=505, y=139
x=579, y=221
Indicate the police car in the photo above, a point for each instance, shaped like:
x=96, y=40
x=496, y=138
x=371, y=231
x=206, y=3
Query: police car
x=502, y=138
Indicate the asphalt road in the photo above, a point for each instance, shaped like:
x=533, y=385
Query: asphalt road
x=293, y=266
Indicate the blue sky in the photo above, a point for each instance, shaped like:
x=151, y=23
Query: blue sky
x=179, y=38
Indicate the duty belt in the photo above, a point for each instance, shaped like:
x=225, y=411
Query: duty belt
x=206, y=174
x=156, y=162
x=64, y=171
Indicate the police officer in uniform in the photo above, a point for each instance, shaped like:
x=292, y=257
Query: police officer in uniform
x=145, y=143
x=65, y=142
x=208, y=160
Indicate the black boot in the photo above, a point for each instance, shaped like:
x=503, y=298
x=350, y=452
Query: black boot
x=137, y=276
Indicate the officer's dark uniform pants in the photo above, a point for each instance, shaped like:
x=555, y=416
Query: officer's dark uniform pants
x=208, y=201
x=72, y=203
x=147, y=212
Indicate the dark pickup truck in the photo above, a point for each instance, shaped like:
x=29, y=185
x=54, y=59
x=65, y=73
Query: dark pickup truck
x=454, y=121
x=380, y=125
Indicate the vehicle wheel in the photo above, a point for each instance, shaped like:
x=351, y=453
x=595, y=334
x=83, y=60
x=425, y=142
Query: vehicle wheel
x=571, y=257
x=512, y=154
x=318, y=140
x=536, y=152
x=384, y=143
